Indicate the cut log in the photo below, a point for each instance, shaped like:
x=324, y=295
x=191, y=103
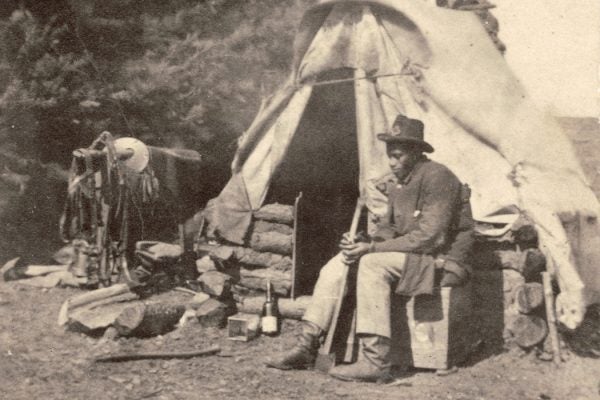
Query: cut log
x=529, y=296
x=29, y=271
x=213, y=313
x=267, y=260
x=89, y=297
x=250, y=257
x=120, y=298
x=205, y=264
x=145, y=320
x=529, y=263
x=152, y=253
x=529, y=330
x=534, y=265
x=272, y=242
x=279, y=213
x=265, y=226
x=257, y=279
x=215, y=283
x=89, y=321
x=288, y=308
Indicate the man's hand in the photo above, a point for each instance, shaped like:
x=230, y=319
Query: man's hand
x=353, y=251
x=360, y=237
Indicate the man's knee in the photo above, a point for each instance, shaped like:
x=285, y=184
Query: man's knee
x=332, y=271
x=374, y=266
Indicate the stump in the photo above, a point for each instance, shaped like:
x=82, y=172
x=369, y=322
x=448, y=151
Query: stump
x=529, y=330
x=529, y=296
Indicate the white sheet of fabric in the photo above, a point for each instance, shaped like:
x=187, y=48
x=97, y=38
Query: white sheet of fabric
x=267, y=155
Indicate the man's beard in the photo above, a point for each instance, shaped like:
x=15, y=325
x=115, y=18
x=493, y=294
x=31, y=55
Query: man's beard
x=402, y=172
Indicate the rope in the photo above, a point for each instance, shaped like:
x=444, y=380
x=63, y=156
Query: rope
x=373, y=77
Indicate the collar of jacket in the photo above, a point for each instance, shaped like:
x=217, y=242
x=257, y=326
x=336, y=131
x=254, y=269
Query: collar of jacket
x=417, y=166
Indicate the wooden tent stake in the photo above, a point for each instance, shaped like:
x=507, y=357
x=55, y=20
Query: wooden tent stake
x=551, y=316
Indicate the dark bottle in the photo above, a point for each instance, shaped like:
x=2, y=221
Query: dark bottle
x=270, y=314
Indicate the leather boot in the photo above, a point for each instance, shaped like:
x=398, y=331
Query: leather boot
x=373, y=364
x=304, y=353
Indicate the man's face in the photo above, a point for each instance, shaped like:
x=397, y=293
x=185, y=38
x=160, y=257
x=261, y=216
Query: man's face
x=402, y=159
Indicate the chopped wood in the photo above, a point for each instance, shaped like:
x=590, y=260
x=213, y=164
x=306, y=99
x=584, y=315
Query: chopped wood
x=267, y=260
x=276, y=212
x=89, y=297
x=529, y=330
x=272, y=242
x=86, y=320
x=30, y=271
x=54, y=279
x=153, y=253
x=198, y=299
x=185, y=290
x=9, y=265
x=213, y=313
x=120, y=298
x=145, y=320
x=205, y=264
x=251, y=257
x=529, y=296
x=215, y=283
x=529, y=263
x=154, y=356
x=265, y=226
x=288, y=308
x=257, y=279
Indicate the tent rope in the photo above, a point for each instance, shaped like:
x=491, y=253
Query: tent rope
x=370, y=77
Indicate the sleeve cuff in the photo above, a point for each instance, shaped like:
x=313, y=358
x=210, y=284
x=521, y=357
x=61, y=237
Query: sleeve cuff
x=372, y=247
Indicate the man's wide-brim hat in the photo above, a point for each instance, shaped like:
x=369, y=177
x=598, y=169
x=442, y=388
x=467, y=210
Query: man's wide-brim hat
x=407, y=131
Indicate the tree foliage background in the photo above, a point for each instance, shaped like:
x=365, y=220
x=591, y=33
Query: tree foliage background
x=173, y=73
x=176, y=73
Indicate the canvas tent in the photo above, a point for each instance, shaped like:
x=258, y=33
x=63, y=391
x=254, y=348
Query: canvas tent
x=440, y=66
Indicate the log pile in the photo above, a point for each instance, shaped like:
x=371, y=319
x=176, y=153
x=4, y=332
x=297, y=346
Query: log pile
x=266, y=255
x=507, y=283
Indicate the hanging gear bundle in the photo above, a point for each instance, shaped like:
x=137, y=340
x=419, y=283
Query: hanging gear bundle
x=96, y=213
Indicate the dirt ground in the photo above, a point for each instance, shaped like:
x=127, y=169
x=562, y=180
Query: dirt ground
x=39, y=360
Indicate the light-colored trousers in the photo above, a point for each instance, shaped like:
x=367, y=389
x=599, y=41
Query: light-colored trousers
x=377, y=276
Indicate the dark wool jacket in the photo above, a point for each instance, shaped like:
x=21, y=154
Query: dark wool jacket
x=429, y=217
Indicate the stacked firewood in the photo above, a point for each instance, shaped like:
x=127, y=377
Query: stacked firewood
x=508, y=286
x=266, y=255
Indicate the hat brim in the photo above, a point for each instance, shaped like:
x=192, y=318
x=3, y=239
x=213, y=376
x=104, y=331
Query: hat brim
x=141, y=154
x=388, y=138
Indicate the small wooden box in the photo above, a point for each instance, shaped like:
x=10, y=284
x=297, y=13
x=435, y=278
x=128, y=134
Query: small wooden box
x=433, y=332
x=243, y=327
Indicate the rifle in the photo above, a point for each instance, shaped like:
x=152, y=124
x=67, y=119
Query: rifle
x=326, y=358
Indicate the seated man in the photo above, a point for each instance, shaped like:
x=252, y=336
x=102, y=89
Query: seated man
x=428, y=225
